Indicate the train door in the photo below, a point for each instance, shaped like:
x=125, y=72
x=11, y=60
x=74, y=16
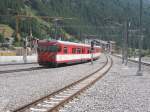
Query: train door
x=83, y=54
x=79, y=54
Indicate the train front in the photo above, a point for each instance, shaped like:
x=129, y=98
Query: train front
x=47, y=52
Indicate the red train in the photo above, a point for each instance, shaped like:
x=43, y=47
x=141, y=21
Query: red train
x=59, y=52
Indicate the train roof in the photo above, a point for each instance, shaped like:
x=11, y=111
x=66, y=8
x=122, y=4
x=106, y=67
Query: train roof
x=67, y=43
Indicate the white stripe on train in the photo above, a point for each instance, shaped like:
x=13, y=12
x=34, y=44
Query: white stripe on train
x=75, y=56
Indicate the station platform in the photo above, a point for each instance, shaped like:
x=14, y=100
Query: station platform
x=145, y=60
x=17, y=59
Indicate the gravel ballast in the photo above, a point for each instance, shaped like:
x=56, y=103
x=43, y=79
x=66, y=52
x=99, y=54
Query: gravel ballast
x=119, y=91
x=21, y=88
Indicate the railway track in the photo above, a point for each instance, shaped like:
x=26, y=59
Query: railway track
x=57, y=99
x=18, y=64
x=22, y=70
x=27, y=69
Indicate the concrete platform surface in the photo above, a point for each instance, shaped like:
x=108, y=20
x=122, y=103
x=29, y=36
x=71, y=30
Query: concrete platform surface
x=17, y=59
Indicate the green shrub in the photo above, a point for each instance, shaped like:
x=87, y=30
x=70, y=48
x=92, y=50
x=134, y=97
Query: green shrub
x=1, y=38
x=17, y=44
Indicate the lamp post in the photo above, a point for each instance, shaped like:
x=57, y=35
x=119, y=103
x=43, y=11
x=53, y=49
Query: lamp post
x=92, y=49
x=127, y=25
x=124, y=31
x=139, y=72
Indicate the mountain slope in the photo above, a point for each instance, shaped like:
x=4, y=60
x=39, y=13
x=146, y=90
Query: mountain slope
x=89, y=17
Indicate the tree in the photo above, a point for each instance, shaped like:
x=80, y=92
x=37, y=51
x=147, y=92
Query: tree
x=1, y=38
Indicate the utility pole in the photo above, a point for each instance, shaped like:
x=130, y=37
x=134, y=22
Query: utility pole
x=126, y=41
x=30, y=31
x=126, y=33
x=123, y=44
x=25, y=50
x=55, y=27
x=139, y=72
x=17, y=28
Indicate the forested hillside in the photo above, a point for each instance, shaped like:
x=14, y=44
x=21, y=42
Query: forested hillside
x=89, y=17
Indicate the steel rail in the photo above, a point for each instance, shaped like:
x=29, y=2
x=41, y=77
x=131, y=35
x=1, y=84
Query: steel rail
x=71, y=91
x=18, y=64
x=22, y=70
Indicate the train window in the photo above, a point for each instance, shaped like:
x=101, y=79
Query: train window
x=73, y=50
x=65, y=50
x=58, y=48
x=52, y=48
x=78, y=50
x=42, y=49
x=89, y=51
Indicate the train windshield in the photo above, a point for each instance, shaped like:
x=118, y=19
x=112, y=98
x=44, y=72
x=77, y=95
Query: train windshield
x=52, y=48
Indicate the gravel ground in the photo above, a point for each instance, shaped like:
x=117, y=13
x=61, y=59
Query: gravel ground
x=119, y=91
x=21, y=88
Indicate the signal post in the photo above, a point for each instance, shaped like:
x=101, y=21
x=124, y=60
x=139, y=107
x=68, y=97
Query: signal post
x=92, y=49
x=25, y=50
